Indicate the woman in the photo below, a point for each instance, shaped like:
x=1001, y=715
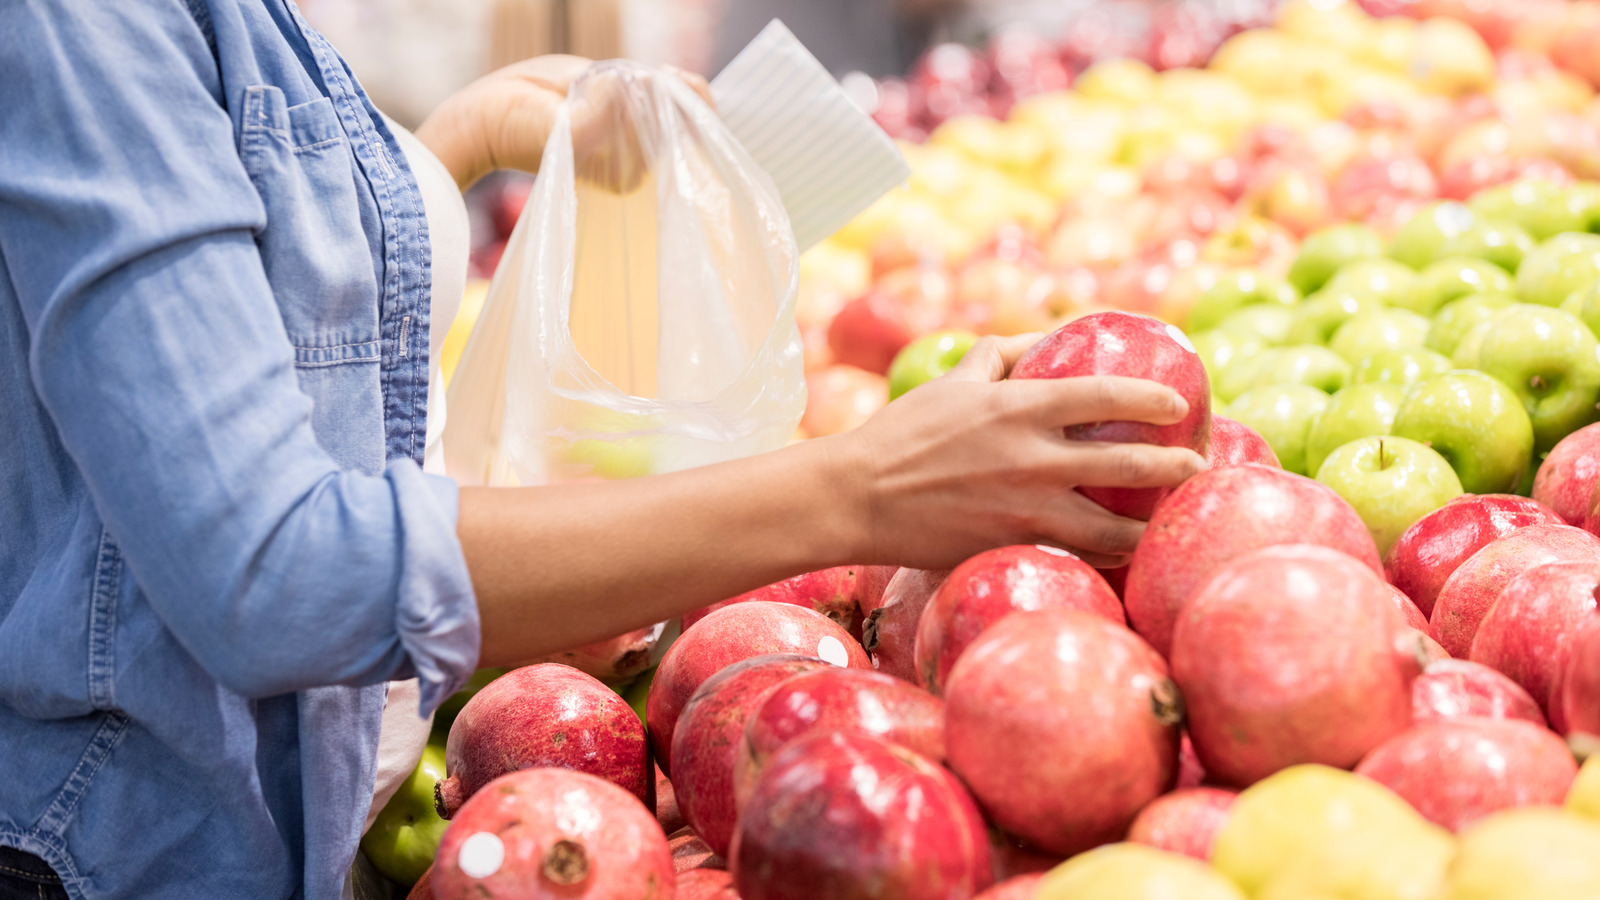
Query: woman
x=217, y=538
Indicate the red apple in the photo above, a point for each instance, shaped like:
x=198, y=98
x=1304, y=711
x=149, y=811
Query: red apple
x=1475, y=585
x=1431, y=549
x=1526, y=633
x=1114, y=343
x=1220, y=515
x=890, y=633
x=1372, y=183
x=1457, y=771
x=1292, y=654
x=1459, y=688
x=868, y=332
x=1579, y=690
x=840, y=398
x=995, y=584
x=1064, y=725
x=1568, y=475
x=831, y=592
x=1184, y=821
x=1235, y=443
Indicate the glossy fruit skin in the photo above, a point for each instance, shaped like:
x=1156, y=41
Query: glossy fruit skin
x=1114, y=343
x=1527, y=633
x=1236, y=290
x=1391, y=482
x=1460, y=688
x=612, y=846
x=1568, y=475
x=1185, y=821
x=1292, y=654
x=405, y=835
x=1579, y=688
x=1358, y=411
x=540, y=716
x=1457, y=771
x=727, y=636
x=1090, y=691
x=1234, y=443
x=890, y=633
x=1220, y=515
x=855, y=817
x=1549, y=359
x=926, y=358
x=1475, y=585
x=869, y=331
x=1476, y=423
x=1431, y=549
x=995, y=584
x=1283, y=415
x=831, y=592
x=706, y=743
x=837, y=701
x=1408, y=610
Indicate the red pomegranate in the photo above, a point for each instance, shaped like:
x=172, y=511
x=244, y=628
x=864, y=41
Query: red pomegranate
x=1579, y=691
x=1235, y=443
x=1527, y=633
x=668, y=816
x=1433, y=547
x=706, y=743
x=995, y=584
x=727, y=636
x=891, y=631
x=856, y=817
x=1457, y=771
x=1220, y=515
x=1134, y=346
x=1184, y=821
x=706, y=884
x=1017, y=887
x=1408, y=610
x=615, y=660
x=689, y=852
x=1292, y=654
x=1458, y=688
x=1089, y=690
x=544, y=715
x=1567, y=477
x=544, y=834
x=1475, y=585
x=838, y=700
x=831, y=592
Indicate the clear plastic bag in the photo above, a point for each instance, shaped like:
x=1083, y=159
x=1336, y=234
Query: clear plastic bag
x=642, y=317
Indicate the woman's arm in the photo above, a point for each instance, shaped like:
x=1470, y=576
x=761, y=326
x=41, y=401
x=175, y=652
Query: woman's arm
x=955, y=467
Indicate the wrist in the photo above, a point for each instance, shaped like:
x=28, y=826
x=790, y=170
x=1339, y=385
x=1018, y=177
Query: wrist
x=842, y=491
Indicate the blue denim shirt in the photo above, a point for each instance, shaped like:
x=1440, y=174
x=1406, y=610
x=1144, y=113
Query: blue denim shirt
x=216, y=540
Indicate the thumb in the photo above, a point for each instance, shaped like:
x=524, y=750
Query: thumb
x=991, y=358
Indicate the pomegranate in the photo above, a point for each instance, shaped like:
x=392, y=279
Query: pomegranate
x=1092, y=692
x=1438, y=543
x=553, y=833
x=1474, y=586
x=1292, y=654
x=706, y=884
x=616, y=660
x=1567, y=477
x=1184, y=821
x=689, y=852
x=837, y=700
x=871, y=582
x=1190, y=772
x=1458, y=688
x=1220, y=515
x=891, y=631
x=1579, y=691
x=1017, y=887
x=1408, y=610
x=1235, y=443
x=728, y=635
x=831, y=592
x=1456, y=771
x=544, y=715
x=995, y=584
x=705, y=747
x=1526, y=634
x=853, y=817
x=668, y=815
x=1135, y=346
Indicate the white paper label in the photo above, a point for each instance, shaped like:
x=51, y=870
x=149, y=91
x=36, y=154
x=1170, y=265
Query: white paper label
x=830, y=650
x=481, y=855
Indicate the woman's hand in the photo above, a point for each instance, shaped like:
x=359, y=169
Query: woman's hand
x=502, y=120
x=969, y=462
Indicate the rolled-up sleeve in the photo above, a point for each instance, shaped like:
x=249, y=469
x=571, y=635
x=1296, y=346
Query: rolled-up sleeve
x=127, y=224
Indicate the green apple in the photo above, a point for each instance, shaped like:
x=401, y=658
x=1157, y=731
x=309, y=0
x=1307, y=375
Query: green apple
x=1391, y=482
x=1325, y=252
x=1424, y=236
x=1267, y=323
x=1282, y=414
x=1405, y=365
x=1585, y=304
x=1502, y=243
x=1387, y=329
x=1236, y=290
x=1308, y=364
x=1358, y=411
x=1557, y=267
x=1452, y=322
x=1380, y=279
x=1453, y=277
x=1322, y=313
x=1241, y=372
x=1474, y=422
x=926, y=358
x=637, y=691
x=1550, y=359
x=1542, y=208
x=1466, y=352
x=1217, y=349
x=405, y=835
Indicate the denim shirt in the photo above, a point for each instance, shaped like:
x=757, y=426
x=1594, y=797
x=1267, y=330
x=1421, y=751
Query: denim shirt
x=216, y=540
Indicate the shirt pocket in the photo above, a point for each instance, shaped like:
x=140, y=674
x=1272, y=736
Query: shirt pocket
x=318, y=246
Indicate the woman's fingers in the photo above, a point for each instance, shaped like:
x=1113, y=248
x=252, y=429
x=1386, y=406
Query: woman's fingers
x=991, y=358
x=1093, y=464
x=1104, y=539
x=1059, y=402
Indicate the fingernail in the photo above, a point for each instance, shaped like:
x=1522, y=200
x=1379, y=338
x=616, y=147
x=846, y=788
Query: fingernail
x=1180, y=406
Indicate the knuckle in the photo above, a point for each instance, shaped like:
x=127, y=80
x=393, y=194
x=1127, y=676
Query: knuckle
x=1133, y=464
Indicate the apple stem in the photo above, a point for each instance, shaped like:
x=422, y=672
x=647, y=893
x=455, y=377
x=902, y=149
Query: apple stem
x=1382, y=462
x=1537, y=382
